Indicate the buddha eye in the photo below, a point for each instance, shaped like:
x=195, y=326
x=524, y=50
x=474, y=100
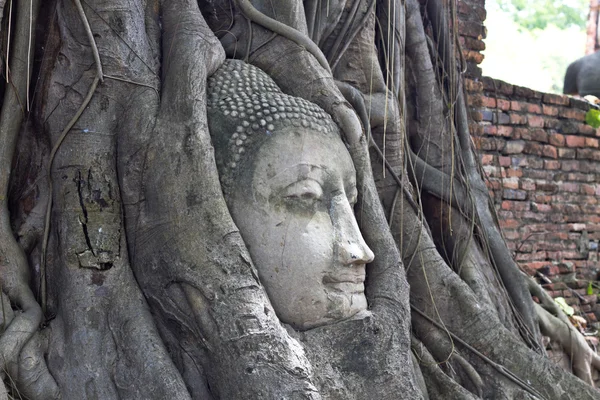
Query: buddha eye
x=306, y=192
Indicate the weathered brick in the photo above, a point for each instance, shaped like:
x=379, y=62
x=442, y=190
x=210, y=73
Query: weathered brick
x=589, y=154
x=517, y=105
x=533, y=148
x=510, y=183
x=571, y=113
x=488, y=102
x=534, y=108
x=487, y=159
x=535, y=121
x=514, y=147
x=505, y=131
x=567, y=153
x=524, y=92
x=551, y=164
x=517, y=119
x=587, y=130
x=487, y=115
x=549, y=110
x=510, y=172
x=549, y=151
x=503, y=104
x=556, y=139
x=504, y=161
x=509, y=223
x=514, y=194
x=527, y=184
x=490, y=143
x=546, y=187
x=537, y=207
x=555, y=99
x=591, y=142
x=575, y=141
x=568, y=126
x=588, y=189
x=568, y=187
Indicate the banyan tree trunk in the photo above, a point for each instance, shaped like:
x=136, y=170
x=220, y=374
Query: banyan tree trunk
x=123, y=274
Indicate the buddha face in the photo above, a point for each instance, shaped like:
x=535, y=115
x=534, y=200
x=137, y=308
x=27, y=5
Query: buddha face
x=294, y=208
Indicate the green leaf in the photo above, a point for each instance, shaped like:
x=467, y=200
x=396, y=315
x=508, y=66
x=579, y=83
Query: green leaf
x=592, y=118
x=567, y=309
x=590, y=289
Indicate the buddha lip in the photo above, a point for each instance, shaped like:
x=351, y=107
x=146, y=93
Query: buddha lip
x=344, y=278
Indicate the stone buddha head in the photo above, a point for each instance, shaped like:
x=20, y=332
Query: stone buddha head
x=290, y=186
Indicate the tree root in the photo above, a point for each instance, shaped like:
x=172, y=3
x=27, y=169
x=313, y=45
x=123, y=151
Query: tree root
x=292, y=34
x=555, y=324
x=17, y=345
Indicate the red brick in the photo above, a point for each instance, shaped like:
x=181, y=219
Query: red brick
x=587, y=130
x=550, y=151
x=556, y=139
x=549, y=110
x=510, y=183
x=575, y=141
x=488, y=102
x=514, y=147
x=517, y=119
x=555, y=99
x=487, y=159
x=541, y=207
x=535, y=121
x=567, y=153
x=534, y=108
x=572, y=113
x=510, y=172
x=517, y=106
x=551, y=164
x=509, y=223
x=569, y=187
x=527, y=184
x=503, y=105
x=591, y=142
x=505, y=131
x=589, y=154
x=590, y=190
x=504, y=161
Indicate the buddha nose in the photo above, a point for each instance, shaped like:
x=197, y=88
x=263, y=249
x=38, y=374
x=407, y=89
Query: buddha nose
x=351, y=246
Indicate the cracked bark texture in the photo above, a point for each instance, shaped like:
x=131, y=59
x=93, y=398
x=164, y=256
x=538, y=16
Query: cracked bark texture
x=151, y=291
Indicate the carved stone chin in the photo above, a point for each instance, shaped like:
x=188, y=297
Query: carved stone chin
x=290, y=186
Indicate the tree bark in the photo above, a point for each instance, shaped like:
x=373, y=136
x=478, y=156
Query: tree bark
x=123, y=274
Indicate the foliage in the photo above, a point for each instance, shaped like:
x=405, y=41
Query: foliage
x=547, y=52
x=592, y=118
x=530, y=15
x=562, y=303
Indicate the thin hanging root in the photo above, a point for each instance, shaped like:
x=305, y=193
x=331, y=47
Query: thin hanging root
x=99, y=78
x=292, y=34
x=90, y=36
x=8, y=39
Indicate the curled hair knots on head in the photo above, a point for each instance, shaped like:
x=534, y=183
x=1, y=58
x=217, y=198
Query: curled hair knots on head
x=245, y=108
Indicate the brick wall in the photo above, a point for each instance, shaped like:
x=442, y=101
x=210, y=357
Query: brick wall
x=543, y=168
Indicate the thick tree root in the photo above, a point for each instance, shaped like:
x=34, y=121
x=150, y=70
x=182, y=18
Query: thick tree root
x=554, y=324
